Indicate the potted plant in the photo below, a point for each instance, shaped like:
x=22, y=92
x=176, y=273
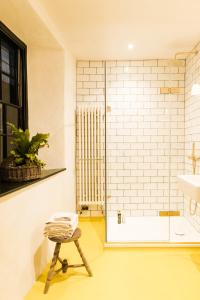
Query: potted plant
x=23, y=163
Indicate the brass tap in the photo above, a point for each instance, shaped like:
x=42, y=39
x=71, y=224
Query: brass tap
x=194, y=158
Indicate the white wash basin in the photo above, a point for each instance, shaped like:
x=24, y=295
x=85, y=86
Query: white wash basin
x=190, y=186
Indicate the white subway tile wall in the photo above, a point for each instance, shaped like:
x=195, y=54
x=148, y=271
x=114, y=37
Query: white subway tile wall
x=145, y=137
x=145, y=132
x=90, y=92
x=192, y=125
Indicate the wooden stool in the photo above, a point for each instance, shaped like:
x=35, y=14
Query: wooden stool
x=64, y=263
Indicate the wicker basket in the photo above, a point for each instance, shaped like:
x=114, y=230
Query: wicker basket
x=20, y=173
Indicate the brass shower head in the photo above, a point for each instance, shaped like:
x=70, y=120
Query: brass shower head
x=184, y=55
x=176, y=62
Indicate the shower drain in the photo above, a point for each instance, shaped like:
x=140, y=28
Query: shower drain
x=179, y=233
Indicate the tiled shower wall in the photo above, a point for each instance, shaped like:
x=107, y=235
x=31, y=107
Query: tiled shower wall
x=90, y=92
x=145, y=131
x=192, y=125
x=145, y=137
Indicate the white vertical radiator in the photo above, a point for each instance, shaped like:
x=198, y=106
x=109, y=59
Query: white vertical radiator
x=89, y=156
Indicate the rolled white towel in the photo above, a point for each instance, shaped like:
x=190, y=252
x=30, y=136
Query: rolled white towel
x=60, y=226
x=68, y=217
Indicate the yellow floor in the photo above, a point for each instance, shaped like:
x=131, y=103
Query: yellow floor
x=124, y=274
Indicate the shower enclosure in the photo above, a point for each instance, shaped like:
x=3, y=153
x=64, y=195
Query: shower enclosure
x=144, y=150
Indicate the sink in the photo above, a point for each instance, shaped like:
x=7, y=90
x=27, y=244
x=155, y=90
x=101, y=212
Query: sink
x=190, y=186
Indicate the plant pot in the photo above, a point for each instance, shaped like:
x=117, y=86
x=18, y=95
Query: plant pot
x=20, y=173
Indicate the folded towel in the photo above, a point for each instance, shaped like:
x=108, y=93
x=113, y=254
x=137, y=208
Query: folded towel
x=61, y=225
x=63, y=216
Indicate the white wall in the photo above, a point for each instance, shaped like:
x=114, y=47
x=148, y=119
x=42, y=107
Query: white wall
x=69, y=126
x=24, y=251
x=46, y=100
x=69, y=66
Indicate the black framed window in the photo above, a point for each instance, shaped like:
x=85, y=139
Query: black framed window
x=13, y=86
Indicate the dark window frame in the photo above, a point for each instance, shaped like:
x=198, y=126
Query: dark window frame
x=22, y=108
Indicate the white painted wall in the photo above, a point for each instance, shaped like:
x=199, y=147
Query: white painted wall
x=46, y=100
x=24, y=251
x=69, y=127
x=69, y=66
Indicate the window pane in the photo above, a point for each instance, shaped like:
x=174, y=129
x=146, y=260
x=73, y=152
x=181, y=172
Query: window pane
x=4, y=53
x=8, y=53
x=5, y=88
x=19, y=78
x=1, y=118
x=9, y=71
x=5, y=67
x=8, y=89
x=1, y=149
x=12, y=117
x=12, y=87
x=8, y=61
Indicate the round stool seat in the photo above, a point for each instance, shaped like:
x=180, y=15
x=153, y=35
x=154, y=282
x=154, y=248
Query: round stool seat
x=76, y=235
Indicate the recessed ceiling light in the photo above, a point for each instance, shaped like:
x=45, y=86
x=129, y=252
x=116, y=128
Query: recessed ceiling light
x=130, y=46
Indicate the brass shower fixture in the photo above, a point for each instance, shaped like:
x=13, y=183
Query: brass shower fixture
x=176, y=62
x=194, y=158
x=185, y=54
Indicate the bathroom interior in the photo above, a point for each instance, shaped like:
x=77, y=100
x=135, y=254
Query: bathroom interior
x=148, y=110
x=117, y=88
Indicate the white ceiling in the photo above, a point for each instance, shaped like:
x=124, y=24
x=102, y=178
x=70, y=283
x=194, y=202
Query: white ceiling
x=102, y=29
x=26, y=24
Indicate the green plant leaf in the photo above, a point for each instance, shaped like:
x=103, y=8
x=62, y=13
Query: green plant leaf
x=24, y=150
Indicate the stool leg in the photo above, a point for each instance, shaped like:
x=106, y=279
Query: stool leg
x=83, y=257
x=51, y=270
